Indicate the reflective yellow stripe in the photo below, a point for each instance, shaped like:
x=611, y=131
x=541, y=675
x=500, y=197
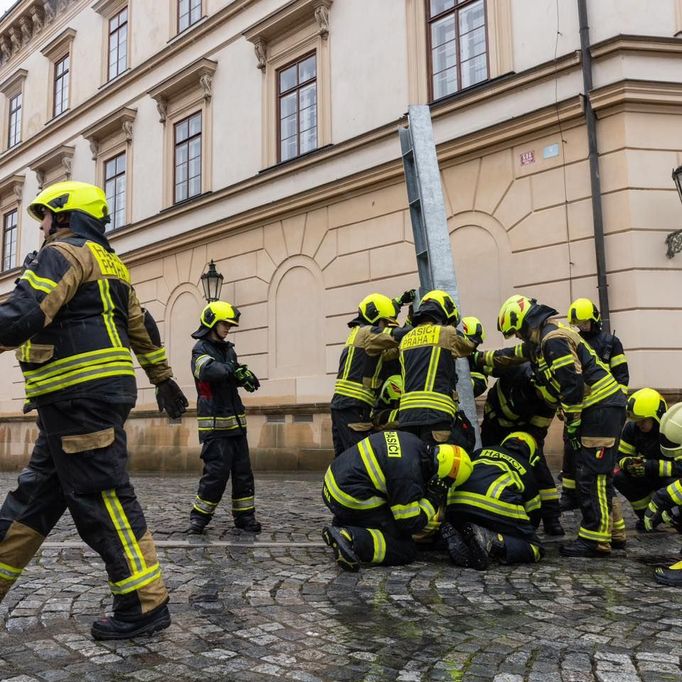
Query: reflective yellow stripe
x=536, y=552
x=549, y=494
x=533, y=503
x=199, y=363
x=415, y=400
x=563, y=361
x=603, y=504
x=675, y=492
x=351, y=352
x=638, y=505
x=433, y=369
x=379, y=546
x=626, y=448
x=124, y=531
x=541, y=422
x=221, y=423
x=427, y=508
x=405, y=511
x=39, y=283
x=90, y=373
x=568, y=483
x=504, y=405
x=9, y=573
x=243, y=504
x=372, y=465
x=137, y=580
x=79, y=361
x=498, y=485
x=204, y=506
x=154, y=358
x=348, y=500
x=108, y=312
x=514, y=511
x=354, y=389
x=618, y=360
x=595, y=536
x=665, y=468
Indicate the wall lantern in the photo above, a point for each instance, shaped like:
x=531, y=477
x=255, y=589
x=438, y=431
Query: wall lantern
x=211, y=283
x=674, y=239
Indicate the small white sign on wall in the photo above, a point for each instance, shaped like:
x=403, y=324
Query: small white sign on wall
x=550, y=151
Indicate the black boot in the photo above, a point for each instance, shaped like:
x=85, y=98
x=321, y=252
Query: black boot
x=585, y=549
x=248, y=523
x=671, y=576
x=114, y=628
x=484, y=545
x=341, y=541
x=457, y=549
x=568, y=501
x=196, y=527
x=553, y=526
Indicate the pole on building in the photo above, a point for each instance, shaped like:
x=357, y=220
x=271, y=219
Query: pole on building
x=435, y=264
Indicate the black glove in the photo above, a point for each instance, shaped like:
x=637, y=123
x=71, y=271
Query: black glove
x=633, y=466
x=437, y=489
x=246, y=378
x=573, y=434
x=171, y=399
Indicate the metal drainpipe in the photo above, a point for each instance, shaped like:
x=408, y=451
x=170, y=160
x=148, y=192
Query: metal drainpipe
x=595, y=182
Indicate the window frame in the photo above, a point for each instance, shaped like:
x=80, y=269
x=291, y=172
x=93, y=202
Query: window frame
x=55, y=78
x=297, y=88
x=18, y=122
x=110, y=35
x=111, y=226
x=186, y=142
x=178, y=31
x=14, y=210
x=455, y=10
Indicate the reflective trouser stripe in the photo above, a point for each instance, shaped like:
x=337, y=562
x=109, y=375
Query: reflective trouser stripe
x=125, y=532
x=536, y=552
x=204, y=506
x=602, y=534
x=639, y=505
x=568, y=483
x=9, y=573
x=242, y=504
x=619, y=524
x=379, y=543
x=137, y=580
x=549, y=494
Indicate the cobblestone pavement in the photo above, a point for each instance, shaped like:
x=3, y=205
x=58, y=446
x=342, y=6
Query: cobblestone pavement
x=277, y=607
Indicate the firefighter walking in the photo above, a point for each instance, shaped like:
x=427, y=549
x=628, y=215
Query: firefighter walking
x=74, y=318
x=222, y=422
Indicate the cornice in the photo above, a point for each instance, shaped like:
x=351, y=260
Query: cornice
x=62, y=155
x=108, y=7
x=636, y=44
x=15, y=81
x=637, y=91
x=59, y=44
x=12, y=183
x=118, y=122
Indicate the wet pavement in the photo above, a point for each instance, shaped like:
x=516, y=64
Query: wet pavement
x=277, y=607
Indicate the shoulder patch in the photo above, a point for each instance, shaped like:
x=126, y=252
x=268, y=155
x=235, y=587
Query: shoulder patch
x=393, y=448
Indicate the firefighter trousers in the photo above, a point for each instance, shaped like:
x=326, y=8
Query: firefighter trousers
x=568, y=467
x=225, y=457
x=599, y=435
x=457, y=431
x=343, y=436
x=493, y=433
x=376, y=537
x=79, y=463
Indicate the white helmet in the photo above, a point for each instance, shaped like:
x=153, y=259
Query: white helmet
x=671, y=432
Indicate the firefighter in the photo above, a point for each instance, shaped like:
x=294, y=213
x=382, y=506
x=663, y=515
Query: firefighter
x=221, y=420
x=494, y=515
x=665, y=503
x=429, y=404
x=642, y=468
x=584, y=314
x=374, y=331
x=473, y=329
x=382, y=491
x=385, y=412
x=592, y=403
x=514, y=404
x=74, y=318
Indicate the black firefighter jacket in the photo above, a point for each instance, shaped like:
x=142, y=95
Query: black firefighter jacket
x=635, y=443
x=384, y=471
x=74, y=318
x=610, y=351
x=220, y=411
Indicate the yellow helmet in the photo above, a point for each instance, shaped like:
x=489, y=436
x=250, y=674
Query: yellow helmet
x=392, y=389
x=646, y=404
x=439, y=305
x=526, y=439
x=214, y=312
x=583, y=310
x=64, y=197
x=472, y=326
x=670, y=434
x=512, y=314
x=377, y=307
x=452, y=461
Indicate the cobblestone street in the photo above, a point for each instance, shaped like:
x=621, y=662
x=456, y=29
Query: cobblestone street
x=277, y=607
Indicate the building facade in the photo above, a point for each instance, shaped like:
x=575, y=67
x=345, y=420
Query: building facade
x=262, y=134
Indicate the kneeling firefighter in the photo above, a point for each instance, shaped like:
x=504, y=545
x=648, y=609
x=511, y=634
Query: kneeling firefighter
x=222, y=422
x=494, y=515
x=382, y=491
x=75, y=318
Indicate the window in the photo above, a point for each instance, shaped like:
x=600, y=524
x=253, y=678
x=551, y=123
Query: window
x=61, y=86
x=118, y=44
x=187, y=158
x=458, y=45
x=115, y=189
x=189, y=12
x=9, y=240
x=14, y=128
x=297, y=107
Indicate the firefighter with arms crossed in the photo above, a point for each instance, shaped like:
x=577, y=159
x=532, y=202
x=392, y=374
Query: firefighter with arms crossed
x=74, y=319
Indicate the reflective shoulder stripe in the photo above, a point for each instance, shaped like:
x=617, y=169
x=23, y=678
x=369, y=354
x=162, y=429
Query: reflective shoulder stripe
x=200, y=362
x=372, y=465
x=346, y=500
x=39, y=283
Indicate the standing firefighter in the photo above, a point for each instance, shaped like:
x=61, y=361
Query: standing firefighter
x=584, y=314
x=592, y=402
x=383, y=491
x=74, y=317
x=360, y=376
x=222, y=422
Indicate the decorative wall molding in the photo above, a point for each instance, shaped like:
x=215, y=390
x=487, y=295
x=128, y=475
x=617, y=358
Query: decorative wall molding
x=120, y=122
x=55, y=163
x=59, y=45
x=14, y=83
x=13, y=184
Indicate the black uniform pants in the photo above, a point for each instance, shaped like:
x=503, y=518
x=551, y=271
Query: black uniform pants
x=493, y=433
x=79, y=462
x=638, y=490
x=568, y=467
x=376, y=536
x=457, y=431
x=224, y=457
x=343, y=436
x=599, y=435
